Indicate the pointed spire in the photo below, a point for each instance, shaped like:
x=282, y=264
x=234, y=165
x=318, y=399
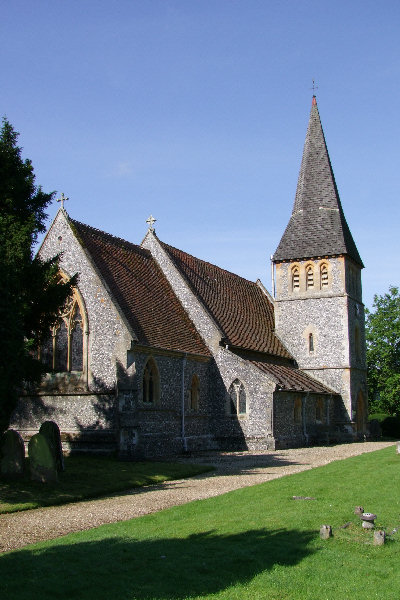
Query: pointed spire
x=317, y=226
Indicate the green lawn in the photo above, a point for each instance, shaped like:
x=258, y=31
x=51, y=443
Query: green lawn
x=90, y=477
x=254, y=543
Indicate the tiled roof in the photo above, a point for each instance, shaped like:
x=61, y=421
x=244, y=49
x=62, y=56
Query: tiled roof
x=317, y=226
x=290, y=379
x=239, y=307
x=142, y=292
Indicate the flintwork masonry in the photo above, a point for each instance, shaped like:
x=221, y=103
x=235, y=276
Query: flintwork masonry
x=158, y=352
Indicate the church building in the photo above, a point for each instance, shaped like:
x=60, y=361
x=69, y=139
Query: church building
x=158, y=352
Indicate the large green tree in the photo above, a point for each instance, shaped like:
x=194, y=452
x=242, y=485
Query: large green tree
x=30, y=295
x=383, y=352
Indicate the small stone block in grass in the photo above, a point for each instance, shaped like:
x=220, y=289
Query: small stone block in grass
x=325, y=532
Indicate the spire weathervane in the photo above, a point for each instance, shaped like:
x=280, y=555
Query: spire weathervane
x=62, y=200
x=314, y=87
x=151, y=220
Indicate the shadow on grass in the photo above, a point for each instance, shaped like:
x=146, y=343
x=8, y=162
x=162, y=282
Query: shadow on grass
x=156, y=568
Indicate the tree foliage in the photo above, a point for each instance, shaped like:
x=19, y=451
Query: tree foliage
x=30, y=295
x=383, y=352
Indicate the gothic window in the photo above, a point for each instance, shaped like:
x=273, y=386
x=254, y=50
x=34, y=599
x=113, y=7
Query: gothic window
x=297, y=410
x=295, y=279
x=324, y=276
x=194, y=393
x=237, y=398
x=319, y=410
x=151, y=384
x=309, y=277
x=62, y=350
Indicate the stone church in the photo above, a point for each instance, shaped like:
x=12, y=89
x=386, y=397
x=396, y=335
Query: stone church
x=159, y=352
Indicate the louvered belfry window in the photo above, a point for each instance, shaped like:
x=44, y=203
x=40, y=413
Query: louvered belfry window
x=324, y=276
x=310, y=277
x=295, y=279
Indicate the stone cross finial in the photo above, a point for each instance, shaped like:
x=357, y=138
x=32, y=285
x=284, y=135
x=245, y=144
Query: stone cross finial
x=62, y=199
x=151, y=220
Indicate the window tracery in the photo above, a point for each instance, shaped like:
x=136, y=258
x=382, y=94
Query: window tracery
x=63, y=349
x=237, y=398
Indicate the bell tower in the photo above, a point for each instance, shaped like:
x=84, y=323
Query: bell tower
x=319, y=313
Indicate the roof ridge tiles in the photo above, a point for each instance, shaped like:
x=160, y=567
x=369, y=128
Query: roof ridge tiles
x=121, y=242
x=205, y=262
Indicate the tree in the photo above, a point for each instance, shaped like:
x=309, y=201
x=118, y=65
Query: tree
x=383, y=352
x=30, y=293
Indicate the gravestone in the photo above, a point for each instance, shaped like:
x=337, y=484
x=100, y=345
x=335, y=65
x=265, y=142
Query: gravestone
x=51, y=432
x=41, y=460
x=12, y=455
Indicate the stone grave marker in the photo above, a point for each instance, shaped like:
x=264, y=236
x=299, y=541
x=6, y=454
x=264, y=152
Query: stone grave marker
x=12, y=454
x=42, y=460
x=51, y=432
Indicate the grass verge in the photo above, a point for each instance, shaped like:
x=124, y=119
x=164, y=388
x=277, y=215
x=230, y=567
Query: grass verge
x=254, y=543
x=90, y=477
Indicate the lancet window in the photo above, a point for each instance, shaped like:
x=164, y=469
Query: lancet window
x=151, y=383
x=324, y=276
x=295, y=279
x=237, y=398
x=310, y=277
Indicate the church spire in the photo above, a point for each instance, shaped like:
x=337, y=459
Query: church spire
x=317, y=226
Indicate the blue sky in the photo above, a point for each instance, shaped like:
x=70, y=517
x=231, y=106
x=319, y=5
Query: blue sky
x=196, y=111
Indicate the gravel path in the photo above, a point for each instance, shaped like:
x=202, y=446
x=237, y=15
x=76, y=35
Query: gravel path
x=232, y=471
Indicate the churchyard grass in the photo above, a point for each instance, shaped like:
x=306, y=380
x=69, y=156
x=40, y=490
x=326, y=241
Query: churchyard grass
x=253, y=543
x=89, y=477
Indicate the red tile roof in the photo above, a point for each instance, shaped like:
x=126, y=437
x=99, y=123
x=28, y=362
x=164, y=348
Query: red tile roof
x=142, y=292
x=291, y=379
x=239, y=307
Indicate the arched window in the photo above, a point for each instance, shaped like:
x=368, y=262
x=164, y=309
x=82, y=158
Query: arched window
x=151, y=382
x=310, y=342
x=324, y=276
x=297, y=410
x=237, y=398
x=194, y=393
x=309, y=277
x=295, y=279
x=319, y=410
x=63, y=349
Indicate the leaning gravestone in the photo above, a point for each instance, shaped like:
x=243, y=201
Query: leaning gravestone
x=51, y=431
x=12, y=454
x=41, y=460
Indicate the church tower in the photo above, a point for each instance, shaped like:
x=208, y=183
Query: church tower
x=319, y=313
